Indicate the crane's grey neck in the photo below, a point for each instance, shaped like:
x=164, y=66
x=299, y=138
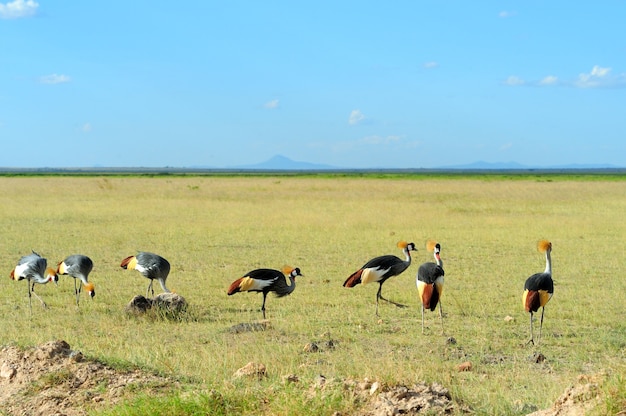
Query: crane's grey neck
x=548, y=263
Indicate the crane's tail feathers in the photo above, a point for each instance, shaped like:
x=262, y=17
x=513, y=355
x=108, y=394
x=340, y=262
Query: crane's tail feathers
x=354, y=279
x=430, y=245
x=434, y=299
x=544, y=245
x=129, y=262
x=429, y=296
x=531, y=300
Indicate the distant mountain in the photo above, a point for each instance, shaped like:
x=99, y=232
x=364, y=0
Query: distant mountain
x=280, y=162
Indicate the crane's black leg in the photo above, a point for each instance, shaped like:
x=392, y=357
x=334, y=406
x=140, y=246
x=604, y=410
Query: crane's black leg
x=380, y=296
x=30, y=299
x=541, y=323
x=76, y=292
x=441, y=317
x=31, y=291
x=263, y=306
x=531, y=340
x=150, y=288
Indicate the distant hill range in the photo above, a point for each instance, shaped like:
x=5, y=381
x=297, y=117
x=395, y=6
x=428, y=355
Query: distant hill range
x=281, y=163
x=513, y=166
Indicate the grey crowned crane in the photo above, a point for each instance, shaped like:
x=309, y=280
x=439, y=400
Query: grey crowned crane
x=151, y=266
x=430, y=282
x=379, y=269
x=539, y=288
x=266, y=281
x=34, y=269
x=78, y=267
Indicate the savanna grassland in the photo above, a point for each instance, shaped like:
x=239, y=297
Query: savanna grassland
x=214, y=229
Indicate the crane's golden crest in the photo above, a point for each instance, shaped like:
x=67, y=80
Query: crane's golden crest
x=89, y=287
x=287, y=271
x=544, y=245
x=402, y=244
x=430, y=245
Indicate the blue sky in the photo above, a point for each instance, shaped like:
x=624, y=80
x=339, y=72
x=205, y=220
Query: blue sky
x=367, y=84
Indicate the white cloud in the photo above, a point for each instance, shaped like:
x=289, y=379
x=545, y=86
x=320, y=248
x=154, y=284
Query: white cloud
x=598, y=77
x=18, y=8
x=504, y=14
x=356, y=116
x=513, y=80
x=549, y=80
x=86, y=128
x=54, y=79
x=272, y=104
x=431, y=64
x=506, y=146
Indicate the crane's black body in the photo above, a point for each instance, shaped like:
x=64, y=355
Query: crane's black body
x=538, y=290
x=430, y=284
x=266, y=281
x=34, y=269
x=151, y=266
x=381, y=268
x=79, y=267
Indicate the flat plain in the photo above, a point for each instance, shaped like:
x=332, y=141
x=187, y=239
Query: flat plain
x=214, y=229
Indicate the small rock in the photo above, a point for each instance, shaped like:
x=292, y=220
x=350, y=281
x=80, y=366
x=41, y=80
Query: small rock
x=374, y=388
x=7, y=371
x=311, y=347
x=251, y=370
x=508, y=318
x=291, y=378
x=76, y=356
x=320, y=381
x=250, y=327
x=451, y=341
x=537, y=358
x=170, y=302
x=139, y=304
x=465, y=366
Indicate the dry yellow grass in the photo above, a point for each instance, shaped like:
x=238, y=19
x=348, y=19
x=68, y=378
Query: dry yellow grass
x=214, y=229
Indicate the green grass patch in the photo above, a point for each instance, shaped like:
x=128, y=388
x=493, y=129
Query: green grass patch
x=214, y=229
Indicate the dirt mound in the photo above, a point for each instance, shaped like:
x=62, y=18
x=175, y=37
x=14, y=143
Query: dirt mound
x=577, y=400
x=53, y=379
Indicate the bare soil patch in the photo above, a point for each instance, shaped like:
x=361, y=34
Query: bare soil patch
x=53, y=379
